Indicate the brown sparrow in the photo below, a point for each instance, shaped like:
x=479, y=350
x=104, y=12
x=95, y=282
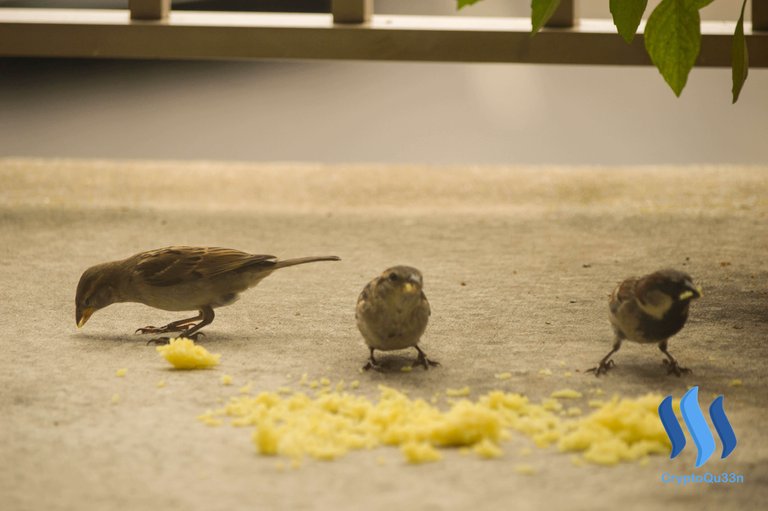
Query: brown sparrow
x=392, y=313
x=650, y=309
x=177, y=279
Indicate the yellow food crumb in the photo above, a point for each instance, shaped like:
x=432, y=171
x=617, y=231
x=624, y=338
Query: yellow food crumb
x=209, y=418
x=121, y=372
x=160, y=384
x=561, y=363
x=567, y=374
x=285, y=390
x=246, y=389
x=503, y=376
x=354, y=384
x=304, y=379
x=340, y=386
x=597, y=391
x=314, y=384
x=621, y=430
x=526, y=470
x=420, y=452
x=406, y=369
x=595, y=403
x=573, y=411
x=226, y=379
x=566, y=394
x=115, y=398
x=325, y=382
x=185, y=354
x=464, y=391
x=487, y=449
x=545, y=372
x=735, y=383
x=329, y=425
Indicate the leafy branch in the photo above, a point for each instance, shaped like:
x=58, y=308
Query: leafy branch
x=672, y=35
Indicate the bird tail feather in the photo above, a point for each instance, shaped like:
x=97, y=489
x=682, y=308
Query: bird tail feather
x=303, y=260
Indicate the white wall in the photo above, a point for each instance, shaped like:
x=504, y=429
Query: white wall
x=380, y=112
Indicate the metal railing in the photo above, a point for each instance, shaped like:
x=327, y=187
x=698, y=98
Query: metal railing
x=149, y=29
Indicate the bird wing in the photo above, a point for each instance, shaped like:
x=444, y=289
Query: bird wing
x=172, y=265
x=623, y=293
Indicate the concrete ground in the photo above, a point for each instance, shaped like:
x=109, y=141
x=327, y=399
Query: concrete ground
x=537, y=249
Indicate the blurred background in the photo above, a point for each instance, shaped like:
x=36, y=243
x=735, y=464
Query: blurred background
x=327, y=111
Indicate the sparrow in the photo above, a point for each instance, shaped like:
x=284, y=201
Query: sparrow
x=650, y=309
x=177, y=279
x=392, y=313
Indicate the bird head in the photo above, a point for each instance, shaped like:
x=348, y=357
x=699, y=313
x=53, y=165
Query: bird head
x=95, y=291
x=660, y=291
x=402, y=280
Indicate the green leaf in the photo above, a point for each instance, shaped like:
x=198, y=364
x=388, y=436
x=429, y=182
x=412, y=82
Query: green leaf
x=541, y=11
x=700, y=4
x=673, y=40
x=739, y=56
x=627, y=15
x=465, y=3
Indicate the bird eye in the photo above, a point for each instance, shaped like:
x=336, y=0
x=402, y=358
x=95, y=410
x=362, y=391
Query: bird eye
x=393, y=277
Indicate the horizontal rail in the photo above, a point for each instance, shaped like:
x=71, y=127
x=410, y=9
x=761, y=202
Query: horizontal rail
x=227, y=35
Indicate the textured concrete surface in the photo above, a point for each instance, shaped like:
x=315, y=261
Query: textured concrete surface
x=538, y=250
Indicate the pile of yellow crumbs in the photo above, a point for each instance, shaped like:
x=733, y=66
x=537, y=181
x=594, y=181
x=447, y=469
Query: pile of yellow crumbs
x=331, y=422
x=185, y=354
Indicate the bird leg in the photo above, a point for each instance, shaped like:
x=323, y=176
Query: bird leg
x=190, y=332
x=175, y=326
x=674, y=367
x=606, y=362
x=422, y=360
x=372, y=363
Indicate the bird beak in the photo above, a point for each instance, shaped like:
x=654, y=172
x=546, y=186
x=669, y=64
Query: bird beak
x=82, y=317
x=412, y=285
x=692, y=292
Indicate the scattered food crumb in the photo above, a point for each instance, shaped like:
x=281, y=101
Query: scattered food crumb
x=284, y=390
x=160, y=384
x=183, y=353
x=121, y=372
x=325, y=382
x=420, y=452
x=567, y=374
x=503, y=376
x=354, y=384
x=566, y=394
x=226, y=379
x=115, y=398
x=736, y=382
x=487, y=449
x=527, y=470
x=464, y=391
x=246, y=389
x=573, y=411
x=545, y=372
x=406, y=369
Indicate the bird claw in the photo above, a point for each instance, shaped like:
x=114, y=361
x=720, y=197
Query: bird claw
x=603, y=368
x=149, y=330
x=371, y=364
x=424, y=361
x=159, y=341
x=674, y=368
